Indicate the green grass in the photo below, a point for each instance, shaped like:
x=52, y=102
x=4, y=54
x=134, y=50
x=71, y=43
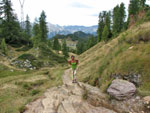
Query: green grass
x=128, y=53
x=6, y=72
x=13, y=100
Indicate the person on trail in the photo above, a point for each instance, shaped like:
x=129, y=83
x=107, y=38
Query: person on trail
x=73, y=62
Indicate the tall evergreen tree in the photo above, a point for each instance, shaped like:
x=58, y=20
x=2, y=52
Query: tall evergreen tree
x=91, y=42
x=56, y=44
x=134, y=7
x=10, y=25
x=28, y=27
x=65, y=49
x=105, y=34
x=80, y=47
x=116, y=20
x=43, y=26
x=119, y=15
x=108, y=23
x=101, y=25
x=36, y=33
x=122, y=16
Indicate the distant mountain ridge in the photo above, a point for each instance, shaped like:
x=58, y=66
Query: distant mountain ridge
x=65, y=30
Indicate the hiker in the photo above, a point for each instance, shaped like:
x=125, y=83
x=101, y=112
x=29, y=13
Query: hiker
x=74, y=64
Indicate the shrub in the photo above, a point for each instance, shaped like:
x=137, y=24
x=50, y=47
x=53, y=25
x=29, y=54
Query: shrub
x=34, y=92
x=4, y=47
x=27, y=56
x=27, y=86
x=22, y=109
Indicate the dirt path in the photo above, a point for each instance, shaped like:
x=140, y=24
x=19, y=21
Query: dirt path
x=68, y=98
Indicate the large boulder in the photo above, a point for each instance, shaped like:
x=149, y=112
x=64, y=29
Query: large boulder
x=121, y=89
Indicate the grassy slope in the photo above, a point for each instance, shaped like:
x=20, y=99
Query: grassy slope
x=19, y=87
x=124, y=54
x=22, y=88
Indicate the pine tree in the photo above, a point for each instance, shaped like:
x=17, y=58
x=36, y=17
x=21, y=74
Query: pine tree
x=27, y=27
x=36, y=28
x=80, y=47
x=91, y=42
x=105, y=34
x=116, y=20
x=119, y=15
x=36, y=34
x=101, y=25
x=108, y=23
x=4, y=47
x=122, y=16
x=43, y=26
x=56, y=44
x=10, y=25
x=65, y=49
x=134, y=7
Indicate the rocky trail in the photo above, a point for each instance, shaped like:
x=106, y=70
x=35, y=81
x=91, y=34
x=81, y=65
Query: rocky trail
x=70, y=98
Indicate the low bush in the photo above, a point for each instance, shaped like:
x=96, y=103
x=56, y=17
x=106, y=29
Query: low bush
x=27, y=56
x=35, y=92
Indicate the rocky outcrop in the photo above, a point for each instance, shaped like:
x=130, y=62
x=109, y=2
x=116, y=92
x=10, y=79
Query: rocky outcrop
x=121, y=89
x=23, y=64
x=68, y=98
x=82, y=98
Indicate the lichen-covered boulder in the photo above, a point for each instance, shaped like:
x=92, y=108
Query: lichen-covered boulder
x=121, y=89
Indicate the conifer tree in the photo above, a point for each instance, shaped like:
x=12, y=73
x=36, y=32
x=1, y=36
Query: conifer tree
x=80, y=47
x=27, y=27
x=43, y=27
x=56, y=44
x=91, y=42
x=101, y=25
x=119, y=15
x=105, y=34
x=36, y=34
x=134, y=7
x=65, y=49
x=122, y=16
x=116, y=20
x=10, y=25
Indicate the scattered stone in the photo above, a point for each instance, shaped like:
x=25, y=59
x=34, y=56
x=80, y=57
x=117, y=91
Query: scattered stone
x=12, y=70
x=131, y=47
x=121, y=89
x=23, y=64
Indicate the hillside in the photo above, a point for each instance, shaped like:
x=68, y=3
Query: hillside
x=126, y=56
x=25, y=74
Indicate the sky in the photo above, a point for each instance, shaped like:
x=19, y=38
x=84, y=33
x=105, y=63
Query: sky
x=67, y=12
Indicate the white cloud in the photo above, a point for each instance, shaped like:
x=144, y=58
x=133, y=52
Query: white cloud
x=67, y=12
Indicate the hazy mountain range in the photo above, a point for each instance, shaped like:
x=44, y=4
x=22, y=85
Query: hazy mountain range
x=64, y=30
